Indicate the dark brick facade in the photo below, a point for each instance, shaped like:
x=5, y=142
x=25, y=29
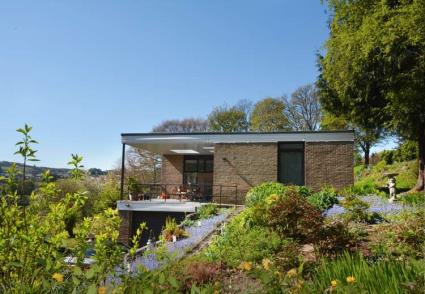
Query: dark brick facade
x=248, y=164
x=329, y=164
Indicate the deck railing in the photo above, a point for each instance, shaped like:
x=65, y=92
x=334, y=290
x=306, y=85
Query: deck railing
x=221, y=194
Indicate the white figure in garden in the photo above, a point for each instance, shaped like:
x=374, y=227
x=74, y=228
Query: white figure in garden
x=392, y=188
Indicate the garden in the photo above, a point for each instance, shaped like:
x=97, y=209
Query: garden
x=63, y=238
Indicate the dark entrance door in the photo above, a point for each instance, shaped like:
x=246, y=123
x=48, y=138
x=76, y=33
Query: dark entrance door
x=291, y=163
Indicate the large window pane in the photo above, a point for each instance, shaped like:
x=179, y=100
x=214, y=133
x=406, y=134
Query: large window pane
x=291, y=163
x=190, y=165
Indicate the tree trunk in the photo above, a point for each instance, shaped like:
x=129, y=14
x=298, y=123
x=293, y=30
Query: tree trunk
x=366, y=154
x=420, y=184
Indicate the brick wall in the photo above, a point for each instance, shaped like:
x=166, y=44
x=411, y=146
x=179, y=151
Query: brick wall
x=244, y=165
x=172, y=169
x=329, y=163
x=125, y=226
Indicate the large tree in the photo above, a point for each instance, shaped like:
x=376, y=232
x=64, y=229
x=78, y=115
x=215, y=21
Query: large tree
x=374, y=68
x=365, y=139
x=187, y=125
x=230, y=118
x=269, y=115
x=303, y=109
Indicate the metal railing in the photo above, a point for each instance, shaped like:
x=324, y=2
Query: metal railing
x=221, y=194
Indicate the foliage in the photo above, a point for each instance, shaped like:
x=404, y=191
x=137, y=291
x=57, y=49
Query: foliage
x=335, y=238
x=304, y=191
x=268, y=115
x=356, y=209
x=354, y=274
x=374, y=67
x=76, y=173
x=259, y=193
x=172, y=229
x=239, y=243
x=208, y=210
x=324, y=199
x=293, y=217
x=414, y=198
x=404, y=237
x=370, y=181
x=229, y=119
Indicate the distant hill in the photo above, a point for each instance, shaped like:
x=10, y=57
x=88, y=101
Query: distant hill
x=35, y=172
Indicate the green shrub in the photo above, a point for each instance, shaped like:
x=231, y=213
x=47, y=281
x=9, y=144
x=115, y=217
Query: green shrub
x=356, y=209
x=388, y=156
x=362, y=188
x=239, y=243
x=385, y=276
x=414, y=198
x=324, y=199
x=304, y=191
x=171, y=228
x=208, y=210
x=294, y=217
x=408, y=150
x=259, y=193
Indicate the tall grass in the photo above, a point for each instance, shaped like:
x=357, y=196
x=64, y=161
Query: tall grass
x=385, y=276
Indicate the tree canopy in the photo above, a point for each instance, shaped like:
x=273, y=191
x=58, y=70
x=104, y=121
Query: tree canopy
x=268, y=115
x=373, y=71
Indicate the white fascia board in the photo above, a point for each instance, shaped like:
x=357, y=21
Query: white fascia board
x=141, y=139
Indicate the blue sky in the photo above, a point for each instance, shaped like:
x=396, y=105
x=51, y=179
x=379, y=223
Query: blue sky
x=82, y=72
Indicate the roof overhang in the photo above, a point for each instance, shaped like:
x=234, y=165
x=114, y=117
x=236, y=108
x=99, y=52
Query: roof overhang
x=203, y=143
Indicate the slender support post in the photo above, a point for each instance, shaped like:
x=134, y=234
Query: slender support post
x=122, y=171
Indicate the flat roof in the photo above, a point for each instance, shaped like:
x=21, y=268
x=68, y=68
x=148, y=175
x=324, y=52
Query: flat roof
x=203, y=143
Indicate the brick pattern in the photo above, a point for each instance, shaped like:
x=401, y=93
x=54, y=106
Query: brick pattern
x=172, y=169
x=125, y=226
x=329, y=163
x=244, y=165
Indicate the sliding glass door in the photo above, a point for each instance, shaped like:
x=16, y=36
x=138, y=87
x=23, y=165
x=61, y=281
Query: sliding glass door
x=291, y=163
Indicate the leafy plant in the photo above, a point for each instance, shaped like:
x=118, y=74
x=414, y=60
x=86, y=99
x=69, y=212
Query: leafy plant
x=77, y=172
x=259, y=193
x=324, y=199
x=208, y=210
x=294, y=217
x=172, y=229
x=354, y=274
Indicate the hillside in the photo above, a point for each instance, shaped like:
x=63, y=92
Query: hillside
x=406, y=179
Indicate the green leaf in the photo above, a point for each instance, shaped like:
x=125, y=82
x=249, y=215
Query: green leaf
x=90, y=273
x=173, y=282
x=92, y=289
x=77, y=271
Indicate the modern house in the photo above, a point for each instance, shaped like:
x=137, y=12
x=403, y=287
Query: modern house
x=223, y=166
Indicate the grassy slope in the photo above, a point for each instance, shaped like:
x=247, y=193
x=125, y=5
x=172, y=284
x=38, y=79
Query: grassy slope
x=405, y=180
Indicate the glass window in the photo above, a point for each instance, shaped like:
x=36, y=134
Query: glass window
x=190, y=165
x=209, y=165
x=291, y=163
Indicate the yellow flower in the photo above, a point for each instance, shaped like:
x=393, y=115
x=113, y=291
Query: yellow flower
x=216, y=292
x=351, y=279
x=101, y=290
x=266, y=263
x=246, y=266
x=292, y=273
x=58, y=277
x=334, y=283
